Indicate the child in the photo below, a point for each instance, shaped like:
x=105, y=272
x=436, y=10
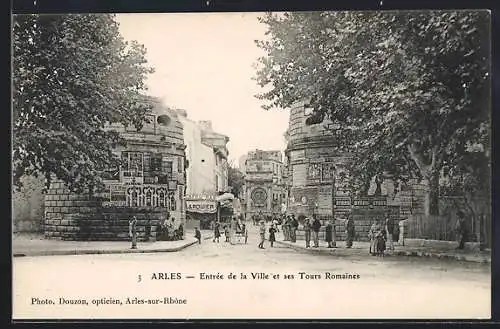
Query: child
x=216, y=231
x=197, y=235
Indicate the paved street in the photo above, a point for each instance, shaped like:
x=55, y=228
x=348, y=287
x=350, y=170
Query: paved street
x=394, y=287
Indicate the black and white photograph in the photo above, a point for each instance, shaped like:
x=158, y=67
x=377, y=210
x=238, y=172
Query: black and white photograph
x=252, y=165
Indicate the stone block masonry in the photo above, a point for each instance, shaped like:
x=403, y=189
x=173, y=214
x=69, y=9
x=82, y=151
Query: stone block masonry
x=77, y=217
x=103, y=224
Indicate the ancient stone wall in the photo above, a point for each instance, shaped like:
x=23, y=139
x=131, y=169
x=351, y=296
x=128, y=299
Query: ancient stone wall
x=28, y=205
x=70, y=216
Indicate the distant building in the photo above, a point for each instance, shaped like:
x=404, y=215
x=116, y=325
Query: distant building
x=265, y=186
x=206, y=171
x=241, y=162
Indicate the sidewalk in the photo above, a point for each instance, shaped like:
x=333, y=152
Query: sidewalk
x=35, y=245
x=412, y=248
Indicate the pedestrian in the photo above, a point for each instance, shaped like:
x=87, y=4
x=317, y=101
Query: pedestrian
x=275, y=221
x=389, y=228
x=244, y=232
x=349, y=230
x=371, y=235
x=395, y=234
x=216, y=231
x=329, y=234
x=294, y=224
x=234, y=228
x=226, y=232
x=197, y=235
x=307, y=232
x=380, y=238
x=286, y=229
x=272, y=237
x=132, y=226
x=316, y=226
x=262, y=232
x=461, y=230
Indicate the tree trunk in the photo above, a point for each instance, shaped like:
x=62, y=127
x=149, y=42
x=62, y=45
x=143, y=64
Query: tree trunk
x=430, y=172
x=432, y=195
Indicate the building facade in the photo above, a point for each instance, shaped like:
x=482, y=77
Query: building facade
x=316, y=171
x=206, y=171
x=149, y=185
x=265, y=183
x=318, y=178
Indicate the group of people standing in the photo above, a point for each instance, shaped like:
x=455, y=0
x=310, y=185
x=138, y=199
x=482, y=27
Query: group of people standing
x=273, y=229
x=382, y=235
x=312, y=228
x=230, y=230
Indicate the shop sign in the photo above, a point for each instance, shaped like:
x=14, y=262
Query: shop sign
x=201, y=206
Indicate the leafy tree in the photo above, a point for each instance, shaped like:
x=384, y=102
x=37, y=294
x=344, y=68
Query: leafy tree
x=73, y=75
x=236, y=180
x=409, y=91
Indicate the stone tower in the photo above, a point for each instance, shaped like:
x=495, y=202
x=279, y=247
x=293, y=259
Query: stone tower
x=312, y=160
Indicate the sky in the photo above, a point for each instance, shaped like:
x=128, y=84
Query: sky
x=204, y=64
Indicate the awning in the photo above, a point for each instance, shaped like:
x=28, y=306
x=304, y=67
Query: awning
x=224, y=197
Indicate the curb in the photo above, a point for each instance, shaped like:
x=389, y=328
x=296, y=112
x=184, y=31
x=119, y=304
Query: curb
x=104, y=252
x=413, y=253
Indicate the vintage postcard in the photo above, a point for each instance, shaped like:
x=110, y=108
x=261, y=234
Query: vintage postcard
x=291, y=165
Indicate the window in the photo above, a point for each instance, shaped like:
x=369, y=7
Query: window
x=161, y=198
x=156, y=162
x=136, y=161
x=179, y=164
x=314, y=171
x=132, y=166
x=172, y=201
x=308, y=111
x=327, y=172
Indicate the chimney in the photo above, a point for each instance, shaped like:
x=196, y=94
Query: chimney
x=206, y=125
x=182, y=112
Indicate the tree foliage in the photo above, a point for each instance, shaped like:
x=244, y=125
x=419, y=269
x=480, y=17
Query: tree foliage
x=73, y=75
x=236, y=180
x=409, y=91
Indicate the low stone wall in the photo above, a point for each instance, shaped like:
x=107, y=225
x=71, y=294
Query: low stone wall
x=103, y=223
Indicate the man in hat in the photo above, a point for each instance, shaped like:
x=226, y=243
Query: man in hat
x=307, y=232
x=294, y=224
x=316, y=226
